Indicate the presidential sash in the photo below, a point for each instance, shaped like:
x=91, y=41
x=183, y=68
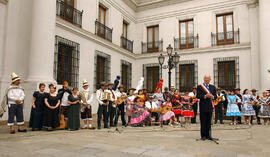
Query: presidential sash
x=207, y=90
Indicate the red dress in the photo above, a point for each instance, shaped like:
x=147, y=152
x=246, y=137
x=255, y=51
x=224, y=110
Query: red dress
x=187, y=110
x=176, y=102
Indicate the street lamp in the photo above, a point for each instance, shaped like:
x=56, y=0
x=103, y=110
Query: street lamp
x=172, y=62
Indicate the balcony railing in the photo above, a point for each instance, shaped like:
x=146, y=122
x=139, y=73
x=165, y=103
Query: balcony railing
x=127, y=44
x=150, y=47
x=103, y=31
x=68, y=13
x=225, y=38
x=186, y=42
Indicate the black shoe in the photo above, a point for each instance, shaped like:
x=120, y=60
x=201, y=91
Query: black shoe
x=23, y=130
x=12, y=132
x=221, y=123
x=259, y=123
x=99, y=128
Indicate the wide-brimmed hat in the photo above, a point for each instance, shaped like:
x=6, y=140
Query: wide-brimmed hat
x=237, y=89
x=15, y=77
x=110, y=83
x=85, y=83
x=121, y=86
x=254, y=90
x=102, y=84
x=218, y=88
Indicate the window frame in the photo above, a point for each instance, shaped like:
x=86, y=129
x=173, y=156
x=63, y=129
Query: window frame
x=187, y=45
x=226, y=76
x=188, y=67
x=225, y=40
x=154, y=48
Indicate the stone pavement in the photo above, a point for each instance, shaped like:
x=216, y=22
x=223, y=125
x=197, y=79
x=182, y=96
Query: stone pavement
x=235, y=141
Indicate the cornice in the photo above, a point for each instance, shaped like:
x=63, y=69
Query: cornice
x=214, y=49
x=4, y=1
x=90, y=36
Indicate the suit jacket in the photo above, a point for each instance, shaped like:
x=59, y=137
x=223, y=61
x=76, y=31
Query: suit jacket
x=205, y=103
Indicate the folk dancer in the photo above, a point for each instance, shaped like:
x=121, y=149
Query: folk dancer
x=129, y=105
x=121, y=103
x=176, y=103
x=14, y=98
x=158, y=101
x=219, y=107
x=103, y=106
x=194, y=104
x=112, y=104
x=169, y=115
x=232, y=108
x=166, y=93
x=139, y=116
x=38, y=105
x=207, y=94
x=187, y=110
x=256, y=106
x=239, y=104
x=63, y=94
x=74, y=100
x=86, y=108
x=264, y=113
x=247, y=108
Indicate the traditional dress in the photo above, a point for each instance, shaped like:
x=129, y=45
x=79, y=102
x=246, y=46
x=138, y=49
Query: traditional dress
x=73, y=115
x=129, y=106
x=51, y=116
x=15, y=110
x=187, y=110
x=194, y=106
x=168, y=115
x=36, y=117
x=265, y=109
x=139, y=115
x=86, y=111
x=158, y=99
x=232, y=109
x=175, y=103
x=143, y=98
x=247, y=108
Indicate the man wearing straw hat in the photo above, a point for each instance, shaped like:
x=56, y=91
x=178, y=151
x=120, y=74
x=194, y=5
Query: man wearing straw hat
x=14, y=98
x=86, y=109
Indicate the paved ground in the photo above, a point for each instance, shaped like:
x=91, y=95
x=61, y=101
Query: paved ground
x=238, y=141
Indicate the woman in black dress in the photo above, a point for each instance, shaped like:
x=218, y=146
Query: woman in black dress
x=51, y=110
x=38, y=105
x=74, y=110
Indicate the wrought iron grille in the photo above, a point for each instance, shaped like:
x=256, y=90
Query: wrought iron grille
x=126, y=74
x=225, y=38
x=127, y=44
x=186, y=42
x=103, y=31
x=66, y=61
x=107, y=69
x=150, y=47
x=68, y=13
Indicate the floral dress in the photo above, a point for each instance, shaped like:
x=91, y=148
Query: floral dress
x=158, y=99
x=139, y=115
x=129, y=105
x=168, y=115
x=175, y=103
x=265, y=109
x=187, y=110
x=232, y=109
x=247, y=108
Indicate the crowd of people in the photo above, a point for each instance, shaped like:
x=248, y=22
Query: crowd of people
x=65, y=109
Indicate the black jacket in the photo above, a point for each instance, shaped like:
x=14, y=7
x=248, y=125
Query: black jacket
x=61, y=93
x=205, y=104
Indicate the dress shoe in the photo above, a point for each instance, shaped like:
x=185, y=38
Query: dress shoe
x=12, y=132
x=22, y=130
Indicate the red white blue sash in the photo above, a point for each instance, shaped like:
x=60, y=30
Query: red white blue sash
x=207, y=90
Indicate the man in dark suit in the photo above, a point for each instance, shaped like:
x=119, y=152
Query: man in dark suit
x=207, y=94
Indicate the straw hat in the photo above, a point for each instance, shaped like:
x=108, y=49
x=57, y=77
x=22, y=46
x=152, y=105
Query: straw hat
x=15, y=77
x=85, y=83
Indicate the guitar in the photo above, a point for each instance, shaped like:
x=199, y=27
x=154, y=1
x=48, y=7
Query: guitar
x=166, y=108
x=62, y=122
x=121, y=99
x=219, y=99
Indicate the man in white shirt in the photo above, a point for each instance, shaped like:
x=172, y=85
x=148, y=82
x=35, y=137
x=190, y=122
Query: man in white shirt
x=103, y=106
x=120, y=94
x=112, y=102
x=15, y=98
x=219, y=106
x=195, y=104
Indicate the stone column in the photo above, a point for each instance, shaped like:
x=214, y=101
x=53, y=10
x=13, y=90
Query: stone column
x=41, y=59
x=264, y=29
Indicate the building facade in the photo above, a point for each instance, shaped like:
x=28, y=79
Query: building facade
x=56, y=40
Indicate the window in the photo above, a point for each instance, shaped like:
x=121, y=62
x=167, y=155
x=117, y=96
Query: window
x=66, y=64
x=126, y=74
x=225, y=29
x=125, y=29
x=152, y=39
x=186, y=34
x=100, y=72
x=186, y=77
x=102, y=21
x=226, y=75
x=152, y=78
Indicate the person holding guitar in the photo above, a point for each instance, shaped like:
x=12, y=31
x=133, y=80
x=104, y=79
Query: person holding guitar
x=219, y=106
x=166, y=112
x=103, y=106
x=120, y=102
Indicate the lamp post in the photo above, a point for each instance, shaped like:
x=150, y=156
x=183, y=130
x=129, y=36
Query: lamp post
x=172, y=62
